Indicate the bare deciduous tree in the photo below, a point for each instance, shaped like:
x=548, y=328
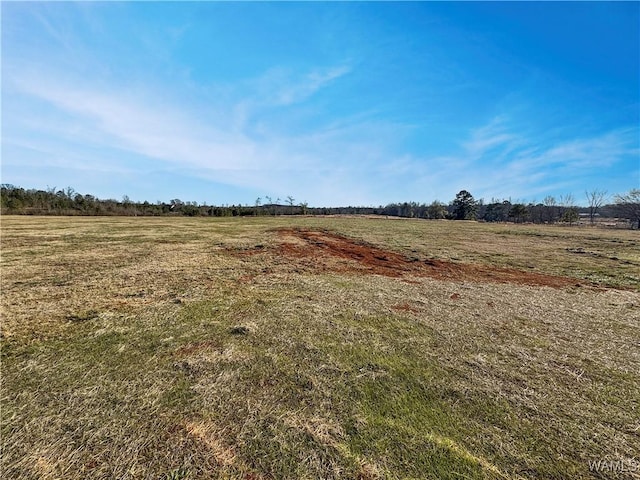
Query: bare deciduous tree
x=550, y=207
x=629, y=205
x=565, y=201
x=595, y=199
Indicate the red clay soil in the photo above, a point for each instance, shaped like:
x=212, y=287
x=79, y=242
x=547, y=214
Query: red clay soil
x=332, y=252
x=405, y=307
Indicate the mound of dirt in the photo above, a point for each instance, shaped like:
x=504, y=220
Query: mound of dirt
x=329, y=251
x=324, y=246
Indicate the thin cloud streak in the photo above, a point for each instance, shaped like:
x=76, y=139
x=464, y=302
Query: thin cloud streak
x=497, y=161
x=280, y=88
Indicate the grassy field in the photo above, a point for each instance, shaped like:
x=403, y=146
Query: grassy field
x=286, y=348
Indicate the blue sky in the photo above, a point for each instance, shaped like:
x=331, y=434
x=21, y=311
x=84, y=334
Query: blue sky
x=330, y=103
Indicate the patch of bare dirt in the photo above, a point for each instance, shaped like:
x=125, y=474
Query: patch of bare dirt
x=405, y=307
x=325, y=247
x=329, y=251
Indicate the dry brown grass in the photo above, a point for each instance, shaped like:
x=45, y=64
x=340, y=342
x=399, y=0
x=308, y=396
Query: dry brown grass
x=158, y=348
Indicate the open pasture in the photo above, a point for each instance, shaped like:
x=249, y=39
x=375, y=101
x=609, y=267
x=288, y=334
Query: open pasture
x=273, y=348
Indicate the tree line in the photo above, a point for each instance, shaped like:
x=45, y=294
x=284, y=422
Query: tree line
x=19, y=201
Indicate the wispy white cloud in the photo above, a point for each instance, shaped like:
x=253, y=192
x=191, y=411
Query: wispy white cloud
x=311, y=163
x=90, y=87
x=599, y=151
x=499, y=160
x=284, y=89
x=495, y=135
x=255, y=135
x=353, y=160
